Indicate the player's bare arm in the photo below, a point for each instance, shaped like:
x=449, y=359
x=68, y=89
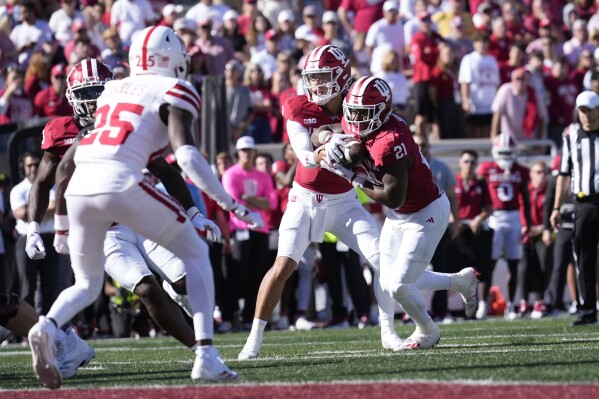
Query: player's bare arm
x=39, y=197
x=172, y=180
x=64, y=171
x=392, y=193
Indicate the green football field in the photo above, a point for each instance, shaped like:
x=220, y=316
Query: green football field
x=543, y=351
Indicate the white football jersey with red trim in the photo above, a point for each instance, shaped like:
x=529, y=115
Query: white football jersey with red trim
x=128, y=132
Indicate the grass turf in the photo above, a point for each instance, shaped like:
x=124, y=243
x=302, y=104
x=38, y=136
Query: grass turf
x=546, y=350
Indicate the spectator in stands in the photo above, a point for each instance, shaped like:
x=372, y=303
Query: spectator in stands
x=239, y=102
x=53, y=51
x=286, y=30
x=231, y=32
x=499, y=43
x=255, y=190
x=255, y=33
x=514, y=61
x=170, y=13
x=479, y=80
x=562, y=94
x=80, y=42
x=28, y=34
x=585, y=64
x=130, y=16
x=266, y=57
x=424, y=49
x=482, y=18
x=262, y=103
x=443, y=91
x=36, y=75
x=537, y=70
x=391, y=72
x=384, y=35
x=62, y=19
x=472, y=246
x=207, y=9
x=412, y=24
x=365, y=14
x=8, y=51
x=461, y=44
x=545, y=30
x=594, y=85
x=516, y=109
x=578, y=43
x=186, y=30
x=248, y=14
x=52, y=101
x=223, y=161
x=332, y=35
x=535, y=266
x=47, y=268
x=311, y=17
x=96, y=26
x=513, y=22
x=216, y=49
x=15, y=105
x=115, y=52
x=443, y=19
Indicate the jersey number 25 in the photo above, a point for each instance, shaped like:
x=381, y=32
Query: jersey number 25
x=110, y=117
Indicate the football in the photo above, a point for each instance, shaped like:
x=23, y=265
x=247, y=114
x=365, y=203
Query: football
x=353, y=153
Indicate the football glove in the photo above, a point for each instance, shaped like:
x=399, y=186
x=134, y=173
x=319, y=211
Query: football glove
x=61, y=244
x=332, y=145
x=253, y=219
x=34, y=245
x=201, y=223
x=354, y=178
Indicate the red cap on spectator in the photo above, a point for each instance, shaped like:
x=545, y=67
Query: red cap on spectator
x=544, y=23
x=271, y=34
x=77, y=25
x=59, y=69
x=250, y=1
x=424, y=16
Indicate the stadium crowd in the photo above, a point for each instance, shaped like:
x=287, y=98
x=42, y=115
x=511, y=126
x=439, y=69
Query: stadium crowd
x=457, y=70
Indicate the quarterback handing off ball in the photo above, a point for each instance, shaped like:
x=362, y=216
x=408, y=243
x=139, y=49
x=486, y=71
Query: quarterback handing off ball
x=353, y=151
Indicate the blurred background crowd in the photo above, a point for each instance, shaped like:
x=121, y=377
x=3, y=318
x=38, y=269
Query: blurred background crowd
x=459, y=69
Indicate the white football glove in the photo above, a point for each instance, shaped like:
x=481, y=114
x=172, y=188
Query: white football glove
x=61, y=244
x=34, y=245
x=201, y=223
x=253, y=219
x=354, y=178
x=332, y=144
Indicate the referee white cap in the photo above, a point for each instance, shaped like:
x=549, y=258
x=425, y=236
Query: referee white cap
x=588, y=99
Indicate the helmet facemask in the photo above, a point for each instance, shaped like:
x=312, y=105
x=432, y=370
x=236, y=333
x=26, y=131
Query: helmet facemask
x=325, y=81
x=83, y=98
x=362, y=120
x=504, y=158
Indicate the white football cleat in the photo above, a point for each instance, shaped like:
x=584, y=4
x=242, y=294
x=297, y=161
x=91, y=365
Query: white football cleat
x=510, y=312
x=391, y=340
x=301, y=323
x=71, y=353
x=43, y=351
x=251, y=349
x=208, y=366
x=481, y=313
x=466, y=283
x=420, y=340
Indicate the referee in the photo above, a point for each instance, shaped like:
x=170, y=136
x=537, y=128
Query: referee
x=580, y=166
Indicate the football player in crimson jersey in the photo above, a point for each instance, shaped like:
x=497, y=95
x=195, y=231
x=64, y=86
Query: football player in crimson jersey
x=397, y=175
x=125, y=250
x=319, y=200
x=137, y=118
x=508, y=183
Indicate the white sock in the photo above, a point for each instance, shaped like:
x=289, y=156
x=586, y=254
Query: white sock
x=258, y=327
x=433, y=281
x=414, y=306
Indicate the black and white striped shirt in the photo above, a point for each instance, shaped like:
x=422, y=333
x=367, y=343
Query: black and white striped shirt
x=580, y=159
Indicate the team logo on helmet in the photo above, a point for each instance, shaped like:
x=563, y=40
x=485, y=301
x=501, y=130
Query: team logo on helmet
x=85, y=83
x=326, y=74
x=367, y=105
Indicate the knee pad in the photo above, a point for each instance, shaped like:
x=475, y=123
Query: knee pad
x=9, y=305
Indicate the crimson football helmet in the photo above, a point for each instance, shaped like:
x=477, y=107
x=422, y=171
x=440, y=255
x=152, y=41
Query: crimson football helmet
x=504, y=151
x=157, y=50
x=326, y=74
x=85, y=83
x=367, y=105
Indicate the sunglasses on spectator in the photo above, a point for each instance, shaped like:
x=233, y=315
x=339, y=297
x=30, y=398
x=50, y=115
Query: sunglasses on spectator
x=471, y=161
x=310, y=16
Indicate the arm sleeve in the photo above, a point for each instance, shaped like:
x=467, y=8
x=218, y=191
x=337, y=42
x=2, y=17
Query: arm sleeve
x=196, y=167
x=301, y=144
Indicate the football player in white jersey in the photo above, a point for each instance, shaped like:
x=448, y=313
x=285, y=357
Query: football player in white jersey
x=321, y=201
x=136, y=119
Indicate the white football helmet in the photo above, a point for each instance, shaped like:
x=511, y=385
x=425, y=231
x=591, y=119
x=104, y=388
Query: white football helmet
x=158, y=50
x=504, y=151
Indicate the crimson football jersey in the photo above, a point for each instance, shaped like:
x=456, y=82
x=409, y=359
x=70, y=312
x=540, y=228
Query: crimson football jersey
x=311, y=116
x=59, y=134
x=387, y=146
x=472, y=197
x=504, y=188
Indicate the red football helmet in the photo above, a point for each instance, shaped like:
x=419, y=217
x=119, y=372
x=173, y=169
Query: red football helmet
x=367, y=105
x=326, y=74
x=504, y=151
x=85, y=83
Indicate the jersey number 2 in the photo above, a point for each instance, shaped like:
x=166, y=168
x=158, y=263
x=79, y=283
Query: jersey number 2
x=114, y=121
